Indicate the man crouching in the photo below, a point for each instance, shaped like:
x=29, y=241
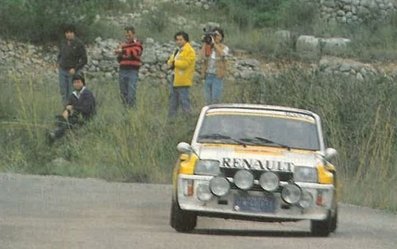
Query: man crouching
x=79, y=108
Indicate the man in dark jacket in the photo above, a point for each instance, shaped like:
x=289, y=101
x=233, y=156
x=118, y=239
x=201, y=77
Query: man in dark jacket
x=72, y=58
x=129, y=58
x=79, y=109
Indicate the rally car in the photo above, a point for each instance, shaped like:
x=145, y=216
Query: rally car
x=255, y=162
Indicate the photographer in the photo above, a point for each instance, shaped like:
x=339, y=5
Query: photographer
x=214, y=54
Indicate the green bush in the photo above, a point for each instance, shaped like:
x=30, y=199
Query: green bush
x=256, y=13
x=41, y=21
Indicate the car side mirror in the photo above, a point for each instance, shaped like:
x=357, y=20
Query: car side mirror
x=330, y=153
x=183, y=147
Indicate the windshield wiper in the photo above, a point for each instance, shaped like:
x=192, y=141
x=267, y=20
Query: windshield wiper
x=263, y=141
x=217, y=136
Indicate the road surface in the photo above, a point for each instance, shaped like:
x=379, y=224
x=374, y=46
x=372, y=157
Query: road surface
x=55, y=212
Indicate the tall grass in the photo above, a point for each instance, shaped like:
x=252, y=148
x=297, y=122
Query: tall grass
x=359, y=120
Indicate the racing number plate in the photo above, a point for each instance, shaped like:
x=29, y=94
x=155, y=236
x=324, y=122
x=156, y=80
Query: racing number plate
x=255, y=204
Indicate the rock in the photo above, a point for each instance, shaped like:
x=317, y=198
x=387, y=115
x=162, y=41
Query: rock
x=162, y=57
x=253, y=63
x=98, y=39
x=108, y=55
x=246, y=74
x=345, y=68
x=108, y=75
x=346, y=1
x=308, y=47
x=340, y=13
x=96, y=53
x=363, y=11
x=148, y=56
x=149, y=41
x=329, y=3
x=359, y=77
x=107, y=66
x=283, y=39
x=335, y=46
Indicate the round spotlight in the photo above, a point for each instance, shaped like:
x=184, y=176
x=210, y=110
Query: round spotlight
x=269, y=181
x=203, y=192
x=291, y=193
x=306, y=199
x=244, y=179
x=219, y=186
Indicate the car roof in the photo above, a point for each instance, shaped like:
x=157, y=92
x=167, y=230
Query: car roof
x=260, y=107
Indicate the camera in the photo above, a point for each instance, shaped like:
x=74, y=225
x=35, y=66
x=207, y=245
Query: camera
x=208, y=34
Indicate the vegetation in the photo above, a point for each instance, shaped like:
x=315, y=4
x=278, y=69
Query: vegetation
x=42, y=21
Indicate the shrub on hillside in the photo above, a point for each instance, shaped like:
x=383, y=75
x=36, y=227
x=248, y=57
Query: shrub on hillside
x=256, y=13
x=42, y=20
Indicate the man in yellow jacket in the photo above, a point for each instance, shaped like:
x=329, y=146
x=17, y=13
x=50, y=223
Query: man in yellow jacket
x=182, y=62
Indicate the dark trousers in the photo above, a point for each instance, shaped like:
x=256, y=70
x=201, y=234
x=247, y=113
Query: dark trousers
x=62, y=125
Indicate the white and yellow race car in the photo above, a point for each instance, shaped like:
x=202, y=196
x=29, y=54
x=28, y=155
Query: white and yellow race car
x=255, y=162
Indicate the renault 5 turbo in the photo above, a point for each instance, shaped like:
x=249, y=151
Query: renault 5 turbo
x=255, y=162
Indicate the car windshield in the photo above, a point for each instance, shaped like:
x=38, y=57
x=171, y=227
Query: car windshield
x=288, y=131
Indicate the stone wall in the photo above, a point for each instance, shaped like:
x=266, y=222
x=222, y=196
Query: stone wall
x=341, y=11
x=356, y=11
x=18, y=58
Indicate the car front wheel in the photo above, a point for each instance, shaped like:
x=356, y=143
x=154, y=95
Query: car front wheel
x=182, y=221
x=321, y=228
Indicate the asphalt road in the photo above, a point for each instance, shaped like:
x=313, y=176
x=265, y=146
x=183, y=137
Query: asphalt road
x=55, y=212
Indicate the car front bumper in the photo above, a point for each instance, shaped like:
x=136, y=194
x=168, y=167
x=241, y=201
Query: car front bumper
x=226, y=207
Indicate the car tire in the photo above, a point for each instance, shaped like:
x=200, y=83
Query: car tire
x=321, y=228
x=334, y=221
x=180, y=220
x=334, y=218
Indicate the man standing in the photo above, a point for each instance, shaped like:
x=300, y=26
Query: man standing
x=129, y=58
x=214, y=66
x=72, y=58
x=182, y=62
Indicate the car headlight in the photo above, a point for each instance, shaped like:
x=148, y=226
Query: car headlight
x=207, y=167
x=305, y=174
x=291, y=193
x=306, y=200
x=219, y=186
x=269, y=181
x=203, y=192
x=244, y=179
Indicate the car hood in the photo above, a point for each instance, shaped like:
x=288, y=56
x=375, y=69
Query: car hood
x=257, y=157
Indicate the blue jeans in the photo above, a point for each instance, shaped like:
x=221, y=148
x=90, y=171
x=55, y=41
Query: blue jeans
x=128, y=83
x=65, y=85
x=213, y=89
x=179, y=96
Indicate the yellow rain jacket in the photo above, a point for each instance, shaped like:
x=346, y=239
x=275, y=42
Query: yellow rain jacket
x=184, y=65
